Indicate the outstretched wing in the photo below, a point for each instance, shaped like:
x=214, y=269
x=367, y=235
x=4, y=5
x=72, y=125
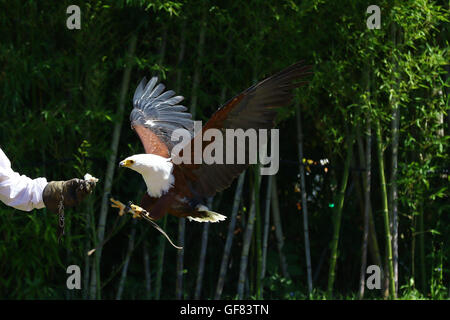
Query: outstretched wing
x=255, y=108
x=156, y=114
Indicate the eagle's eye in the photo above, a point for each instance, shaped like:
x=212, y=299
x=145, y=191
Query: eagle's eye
x=131, y=161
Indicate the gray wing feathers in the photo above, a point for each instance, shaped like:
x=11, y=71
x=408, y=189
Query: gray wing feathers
x=159, y=111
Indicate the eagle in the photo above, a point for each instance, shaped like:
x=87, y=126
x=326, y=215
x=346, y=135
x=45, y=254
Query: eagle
x=181, y=189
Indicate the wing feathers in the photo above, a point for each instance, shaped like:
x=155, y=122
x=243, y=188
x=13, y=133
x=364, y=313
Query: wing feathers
x=255, y=108
x=139, y=90
x=158, y=111
x=148, y=88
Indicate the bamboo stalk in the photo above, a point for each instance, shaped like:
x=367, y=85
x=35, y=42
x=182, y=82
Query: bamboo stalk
x=68, y=235
x=319, y=266
x=162, y=247
x=130, y=249
x=148, y=275
x=201, y=262
x=385, y=289
x=160, y=263
x=194, y=95
x=180, y=258
x=279, y=230
x=162, y=48
x=112, y=165
x=304, y=197
x=374, y=248
x=181, y=56
x=413, y=249
x=266, y=225
x=385, y=210
x=258, y=242
x=366, y=183
x=421, y=234
x=87, y=259
x=248, y=236
x=197, y=73
x=372, y=241
x=338, y=215
x=366, y=159
x=198, y=286
x=393, y=193
x=230, y=235
x=252, y=265
x=181, y=222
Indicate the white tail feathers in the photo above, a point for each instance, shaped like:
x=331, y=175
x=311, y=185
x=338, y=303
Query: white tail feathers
x=205, y=215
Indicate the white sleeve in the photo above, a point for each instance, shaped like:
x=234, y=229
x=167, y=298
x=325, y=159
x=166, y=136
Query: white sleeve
x=17, y=190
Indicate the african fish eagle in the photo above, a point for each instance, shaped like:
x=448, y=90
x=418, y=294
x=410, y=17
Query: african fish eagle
x=181, y=189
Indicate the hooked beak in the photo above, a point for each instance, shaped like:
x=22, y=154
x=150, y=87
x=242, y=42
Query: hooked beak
x=126, y=163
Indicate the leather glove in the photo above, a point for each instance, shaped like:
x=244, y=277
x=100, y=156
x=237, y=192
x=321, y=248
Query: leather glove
x=73, y=192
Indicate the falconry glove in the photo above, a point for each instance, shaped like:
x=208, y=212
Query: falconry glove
x=70, y=193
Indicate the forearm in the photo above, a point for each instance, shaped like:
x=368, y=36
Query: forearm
x=20, y=191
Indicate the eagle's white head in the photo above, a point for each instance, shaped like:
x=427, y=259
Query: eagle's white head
x=156, y=171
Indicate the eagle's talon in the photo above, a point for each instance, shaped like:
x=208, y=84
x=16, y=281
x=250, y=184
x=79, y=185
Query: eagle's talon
x=118, y=204
x=135, y=214
x=138, y=212
x=135, y=210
